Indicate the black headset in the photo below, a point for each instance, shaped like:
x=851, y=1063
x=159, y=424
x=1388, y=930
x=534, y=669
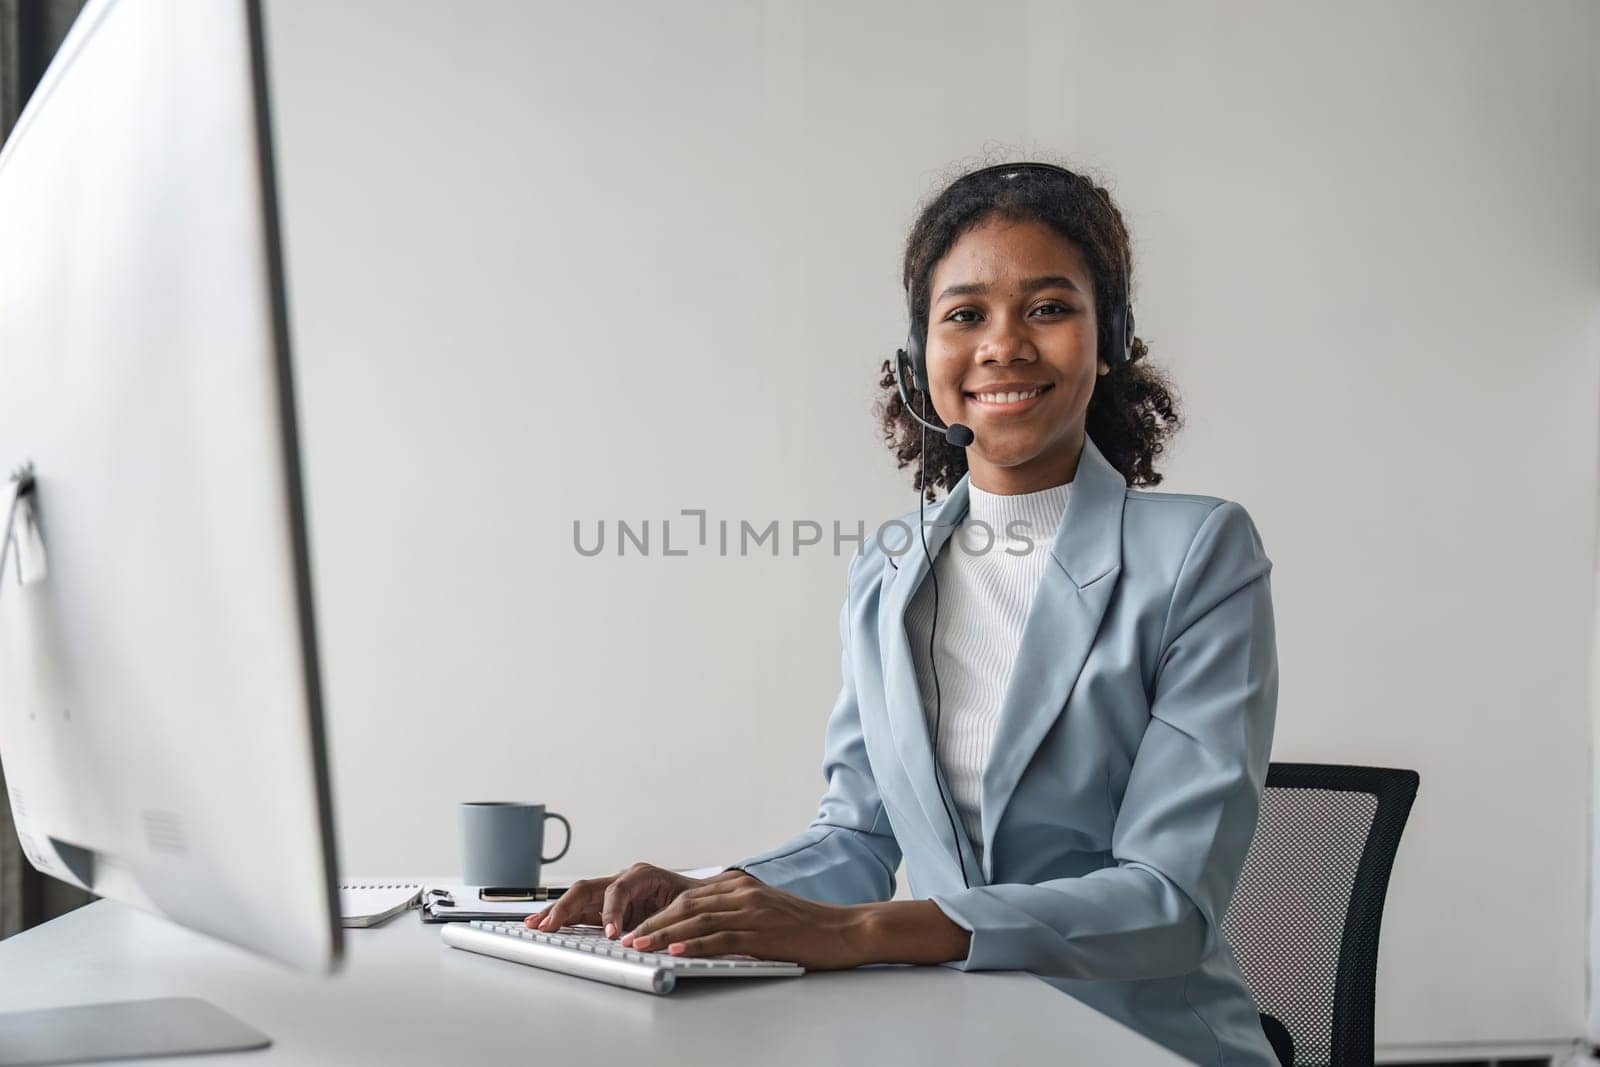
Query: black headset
x=912, y=362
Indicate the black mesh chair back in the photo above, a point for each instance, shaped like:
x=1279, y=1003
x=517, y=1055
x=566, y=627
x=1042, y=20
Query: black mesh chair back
x=1304, y=920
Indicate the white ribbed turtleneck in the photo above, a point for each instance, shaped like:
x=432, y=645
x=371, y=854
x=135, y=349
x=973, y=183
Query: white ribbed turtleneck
x=984, y=599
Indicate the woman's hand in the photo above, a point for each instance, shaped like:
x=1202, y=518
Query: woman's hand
x=737, y=914
x=620, y=901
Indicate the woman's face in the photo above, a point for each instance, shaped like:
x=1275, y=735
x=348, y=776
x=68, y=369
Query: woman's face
x=1012, y=312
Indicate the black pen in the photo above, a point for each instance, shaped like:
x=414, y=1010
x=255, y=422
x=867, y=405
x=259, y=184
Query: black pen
x=508, y=893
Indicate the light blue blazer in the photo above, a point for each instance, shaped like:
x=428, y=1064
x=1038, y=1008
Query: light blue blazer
x=1123, y=784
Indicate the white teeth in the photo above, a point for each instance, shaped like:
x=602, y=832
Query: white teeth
x=1009, y=398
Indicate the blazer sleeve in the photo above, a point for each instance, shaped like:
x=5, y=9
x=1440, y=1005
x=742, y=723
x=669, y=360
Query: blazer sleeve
x=1189, y=812
x=848, y=855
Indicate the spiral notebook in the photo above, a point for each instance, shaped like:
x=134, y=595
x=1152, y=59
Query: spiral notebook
x=370, y=903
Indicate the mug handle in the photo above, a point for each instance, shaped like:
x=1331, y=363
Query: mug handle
x=551, y=859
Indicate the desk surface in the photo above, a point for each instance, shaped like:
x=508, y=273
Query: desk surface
x=403, y=997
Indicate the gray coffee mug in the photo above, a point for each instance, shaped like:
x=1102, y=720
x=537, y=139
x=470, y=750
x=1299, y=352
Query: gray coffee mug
x=502, y=842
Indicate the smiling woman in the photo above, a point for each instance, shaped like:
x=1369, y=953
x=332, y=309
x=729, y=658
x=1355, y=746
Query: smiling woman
x=1031, y=266
x=1072, y=768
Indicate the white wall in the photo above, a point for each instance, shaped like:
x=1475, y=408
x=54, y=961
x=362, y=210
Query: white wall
x=558, y=262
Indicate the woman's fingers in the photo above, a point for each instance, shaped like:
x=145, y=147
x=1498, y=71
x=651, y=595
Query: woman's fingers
x=712, y=889
x=640, y=892
x=721, y=943
x=737, y=915
x=715, y=887
x=621, y=901
x=637, y=892
x=700, y=924
x=705, y=899
x=579, y=904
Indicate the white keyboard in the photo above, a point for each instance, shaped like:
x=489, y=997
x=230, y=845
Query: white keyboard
x=586, y=952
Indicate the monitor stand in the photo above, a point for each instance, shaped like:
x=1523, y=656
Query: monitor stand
x=166, y=1026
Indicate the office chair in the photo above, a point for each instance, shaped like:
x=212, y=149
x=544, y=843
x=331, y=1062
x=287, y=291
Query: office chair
x=1303, y=922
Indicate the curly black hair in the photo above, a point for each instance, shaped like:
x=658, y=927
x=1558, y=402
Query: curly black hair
x=1133, y=409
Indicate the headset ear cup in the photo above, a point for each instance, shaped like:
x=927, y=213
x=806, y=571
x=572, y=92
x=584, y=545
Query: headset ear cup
x=1115, y=348
x=919, y=361
x=902, y=372
x=1121, y=337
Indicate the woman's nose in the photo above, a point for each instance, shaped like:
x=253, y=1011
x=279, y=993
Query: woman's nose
x=1005, y=341
x=1005, y=344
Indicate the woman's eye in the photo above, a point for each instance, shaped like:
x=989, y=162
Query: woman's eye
x=1055, y=311
x=1054, y=308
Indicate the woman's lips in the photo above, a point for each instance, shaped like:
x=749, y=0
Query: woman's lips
x=1006, y=406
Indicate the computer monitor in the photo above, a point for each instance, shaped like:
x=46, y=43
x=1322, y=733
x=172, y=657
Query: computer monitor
x=160, y=705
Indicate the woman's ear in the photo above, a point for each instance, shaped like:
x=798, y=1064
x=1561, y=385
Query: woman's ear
x=1105, y=368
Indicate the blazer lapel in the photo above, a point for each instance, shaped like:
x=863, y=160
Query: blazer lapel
x=1073, y=594
x=901, y=692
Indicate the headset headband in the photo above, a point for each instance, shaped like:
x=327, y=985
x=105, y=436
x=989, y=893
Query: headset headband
x=1121, y=325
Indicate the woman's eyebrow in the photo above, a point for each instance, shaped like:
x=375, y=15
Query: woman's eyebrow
x=1032, y=285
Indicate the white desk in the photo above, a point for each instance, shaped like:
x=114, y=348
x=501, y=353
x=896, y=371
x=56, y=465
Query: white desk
x=403, y=997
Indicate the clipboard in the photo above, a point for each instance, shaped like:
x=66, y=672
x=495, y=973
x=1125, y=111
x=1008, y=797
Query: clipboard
x=454, y=902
